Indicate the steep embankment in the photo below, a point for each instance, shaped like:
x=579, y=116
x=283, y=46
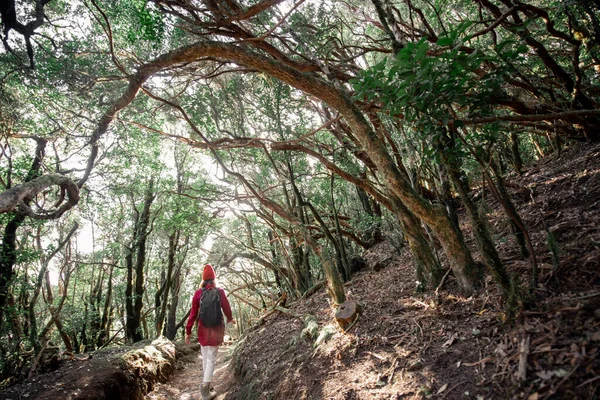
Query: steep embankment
x=411, y=346
x=124, y=373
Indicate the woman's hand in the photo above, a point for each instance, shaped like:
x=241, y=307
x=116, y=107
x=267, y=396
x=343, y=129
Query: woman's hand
x=232, y=322
x=187, y=338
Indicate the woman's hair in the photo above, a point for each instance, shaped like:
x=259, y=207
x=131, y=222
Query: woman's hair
x=208, y=282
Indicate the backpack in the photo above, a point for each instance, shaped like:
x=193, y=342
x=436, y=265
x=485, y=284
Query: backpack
x=210, y=308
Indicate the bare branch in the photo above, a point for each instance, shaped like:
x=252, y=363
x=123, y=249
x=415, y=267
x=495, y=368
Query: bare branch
x=15, y=197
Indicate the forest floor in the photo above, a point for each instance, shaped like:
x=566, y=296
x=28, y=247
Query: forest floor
x=408, y=345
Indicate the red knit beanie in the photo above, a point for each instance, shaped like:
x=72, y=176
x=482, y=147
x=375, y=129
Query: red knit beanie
x=209, y=273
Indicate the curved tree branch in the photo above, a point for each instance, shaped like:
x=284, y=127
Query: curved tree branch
x=396, y=183
x=14, y=198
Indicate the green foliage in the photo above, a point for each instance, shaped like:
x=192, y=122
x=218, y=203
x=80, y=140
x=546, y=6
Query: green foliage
x=427, y=86
x=152, y=26
x=325, y=334
x=139, y=21
x=311, y=328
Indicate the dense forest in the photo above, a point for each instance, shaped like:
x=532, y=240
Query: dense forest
x=277, y=140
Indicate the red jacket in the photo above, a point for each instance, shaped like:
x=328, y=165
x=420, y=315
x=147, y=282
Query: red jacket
x=208, y=336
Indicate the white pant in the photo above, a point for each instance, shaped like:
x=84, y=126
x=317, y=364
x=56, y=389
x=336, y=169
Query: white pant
x=209, y=359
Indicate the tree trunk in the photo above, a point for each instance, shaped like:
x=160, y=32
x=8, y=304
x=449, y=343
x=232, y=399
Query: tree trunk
x=332, y=277
x=163, y=294
x=55, y=312
x=171, y=330
x=428, y=269
x=83, y=335
x=446, y=196
x=519, y=226
x=344, y=264
x=373, y=234
x=45, y=262
x=335, y=287
x=134, y=292
x=515, y=152
x=8, y=255
x=298, y=207
x=96, y=317
x=482, y=235
x=275, y=258
x=104, y=332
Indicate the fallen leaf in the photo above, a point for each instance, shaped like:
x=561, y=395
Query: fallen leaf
x=501, y=350
x=444, y=387
x=561, y=373
x=449, y=342
x=545, y=375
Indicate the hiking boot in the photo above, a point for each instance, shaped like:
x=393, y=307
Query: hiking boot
x=206, y=393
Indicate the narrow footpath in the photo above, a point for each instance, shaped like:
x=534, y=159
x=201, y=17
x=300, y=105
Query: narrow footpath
x=185, y=384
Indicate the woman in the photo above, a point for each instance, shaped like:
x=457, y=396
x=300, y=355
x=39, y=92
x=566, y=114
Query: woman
x=210, y=338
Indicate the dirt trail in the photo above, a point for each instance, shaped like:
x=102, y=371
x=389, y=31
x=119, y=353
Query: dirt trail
x=185, y=384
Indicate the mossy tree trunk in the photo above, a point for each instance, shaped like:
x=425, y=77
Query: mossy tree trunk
x=483, y=237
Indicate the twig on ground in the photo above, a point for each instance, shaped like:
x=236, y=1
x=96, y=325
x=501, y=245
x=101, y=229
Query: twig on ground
x=586, y=296
x=353, y=323
x=437, y=289
x=523, y=353
x=588, y=381
x=482, y=361
x=452, y=388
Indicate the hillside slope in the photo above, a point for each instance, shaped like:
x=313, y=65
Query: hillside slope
x=411, y=346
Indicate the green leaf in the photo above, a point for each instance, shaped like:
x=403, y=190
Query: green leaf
x=444, y=41
x=422, y=48
x=500, y=47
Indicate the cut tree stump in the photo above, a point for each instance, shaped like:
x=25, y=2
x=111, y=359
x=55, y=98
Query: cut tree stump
x=347, y=314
